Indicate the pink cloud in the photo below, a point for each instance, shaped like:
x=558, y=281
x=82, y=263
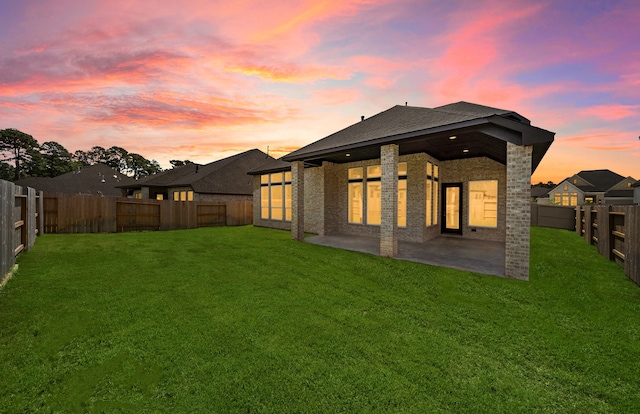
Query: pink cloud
x=611, y=112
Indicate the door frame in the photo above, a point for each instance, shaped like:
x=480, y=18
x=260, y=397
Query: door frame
x=443, y=208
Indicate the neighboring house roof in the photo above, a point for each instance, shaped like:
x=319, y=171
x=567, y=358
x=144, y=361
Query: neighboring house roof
x=97, y=179
x=636, y=184
x=619, y=193
x=225, y=176
x=538, y=192
x=600, y=180
x=481, y=129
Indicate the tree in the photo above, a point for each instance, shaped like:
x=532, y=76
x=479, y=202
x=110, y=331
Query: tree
x=178, y=163
x=18, y=147
x=7, y=172
x=138, y=166
x=116, y=158
x=56, y=159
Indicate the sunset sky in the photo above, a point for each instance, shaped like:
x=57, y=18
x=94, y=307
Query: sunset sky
x=203, y=80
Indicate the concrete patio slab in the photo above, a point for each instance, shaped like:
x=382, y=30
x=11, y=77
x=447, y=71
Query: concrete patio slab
x=480, y=256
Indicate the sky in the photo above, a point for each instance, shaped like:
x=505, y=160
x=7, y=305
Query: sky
x=203, y=80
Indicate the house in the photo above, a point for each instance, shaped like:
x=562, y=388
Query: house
x=222, y=180
x=412, y=174
x=540, y=195
x=98, y=179
x=593, y=187
x=636, y=192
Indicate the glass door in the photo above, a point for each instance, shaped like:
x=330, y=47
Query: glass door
x=452, y=208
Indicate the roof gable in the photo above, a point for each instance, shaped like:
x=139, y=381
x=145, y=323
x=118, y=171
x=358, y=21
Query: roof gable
x=601, y=180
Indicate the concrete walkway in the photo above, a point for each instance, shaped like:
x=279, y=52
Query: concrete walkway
x=480, y=256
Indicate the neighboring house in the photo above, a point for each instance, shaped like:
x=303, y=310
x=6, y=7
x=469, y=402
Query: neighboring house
x=593, y=187
x=636, y=192
x=540, y=195
x=97, y=179
x=222, y=180
x=412, y=174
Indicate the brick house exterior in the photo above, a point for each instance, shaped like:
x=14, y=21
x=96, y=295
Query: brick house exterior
x=411, y=174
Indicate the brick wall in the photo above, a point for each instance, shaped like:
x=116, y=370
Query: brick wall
x=389, y=201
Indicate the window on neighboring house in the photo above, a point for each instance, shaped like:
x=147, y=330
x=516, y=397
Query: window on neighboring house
x=159, y=196
x=566, y=198
x=183, y=195
x=557, y=198
x=138, y=195
x=432, y=194
x=483, y=203
x=573, y=199
x=275, y=196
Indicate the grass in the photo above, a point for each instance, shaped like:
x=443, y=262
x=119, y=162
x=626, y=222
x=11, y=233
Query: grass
x=247, y=320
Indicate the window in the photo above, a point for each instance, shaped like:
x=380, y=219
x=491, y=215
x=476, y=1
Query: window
x=483, y=203
x=159, y=196
x=275, y=196
x=355, y=195
x=183, y=195
x=573, y=199
x=358, y=182
x=402, y=194
x=432, y=194
x=557, y=198
x=374, y=195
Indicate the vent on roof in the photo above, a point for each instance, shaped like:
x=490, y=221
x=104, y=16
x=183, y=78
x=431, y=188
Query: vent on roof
x=362, y=118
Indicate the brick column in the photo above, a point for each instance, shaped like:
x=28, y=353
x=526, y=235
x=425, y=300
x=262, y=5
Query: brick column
x=297, y=200
x=389, y=219
x=518, y=211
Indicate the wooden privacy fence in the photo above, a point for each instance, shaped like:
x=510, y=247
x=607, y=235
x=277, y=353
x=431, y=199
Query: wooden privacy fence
x=20, y=222
x=556, y=217
x=65, y=213
x=615, y=231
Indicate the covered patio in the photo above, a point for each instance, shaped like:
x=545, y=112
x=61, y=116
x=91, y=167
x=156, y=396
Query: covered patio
x=479, y=256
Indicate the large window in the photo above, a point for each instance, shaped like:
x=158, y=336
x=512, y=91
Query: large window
x=275, y=196
x=371, y=181
x=483, y=203
x=566, y=198
x=432, y=194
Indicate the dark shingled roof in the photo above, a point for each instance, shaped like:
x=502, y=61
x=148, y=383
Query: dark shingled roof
x=225, y=176
x=537, y=192
x=87, y=180
x=619, y=193
x=481, y=128
x=270, y=166
x=601, y=180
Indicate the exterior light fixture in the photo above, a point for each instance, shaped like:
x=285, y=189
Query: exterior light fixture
x=453, y=137
x=465, y=150
x=347, y=155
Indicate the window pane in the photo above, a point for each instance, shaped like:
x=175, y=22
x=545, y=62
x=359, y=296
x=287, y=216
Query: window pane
x=565, y=199
x=452, y=198
x=374, y=171
x=287, y=176
x=374, y=202
x=276, y=201
x=355, y=203
x=183, y=196
x=574, y=199
x=264, y=202
x=435, y=171
x=176, y=196
x=429, y=169
x=436, y=202
x=264, y=179
x=483, y=203
x=402, y=168
x=355, y=173
x=159, y=196
x=557, y=198
x=402, y=203
x=429, y=199
x=276, y=178
x=189, y=195
x=287, y=202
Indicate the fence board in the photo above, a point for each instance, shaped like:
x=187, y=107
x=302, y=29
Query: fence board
x=556, y=217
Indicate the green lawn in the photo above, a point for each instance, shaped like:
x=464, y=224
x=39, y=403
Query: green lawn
x=247, y=320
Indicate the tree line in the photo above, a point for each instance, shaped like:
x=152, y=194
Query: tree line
x=21, y=156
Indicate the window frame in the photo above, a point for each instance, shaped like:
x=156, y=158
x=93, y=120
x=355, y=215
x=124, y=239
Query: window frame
x=283, y=181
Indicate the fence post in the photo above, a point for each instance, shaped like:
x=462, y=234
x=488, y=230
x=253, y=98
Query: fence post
x=604, y=233
x=31, y=216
